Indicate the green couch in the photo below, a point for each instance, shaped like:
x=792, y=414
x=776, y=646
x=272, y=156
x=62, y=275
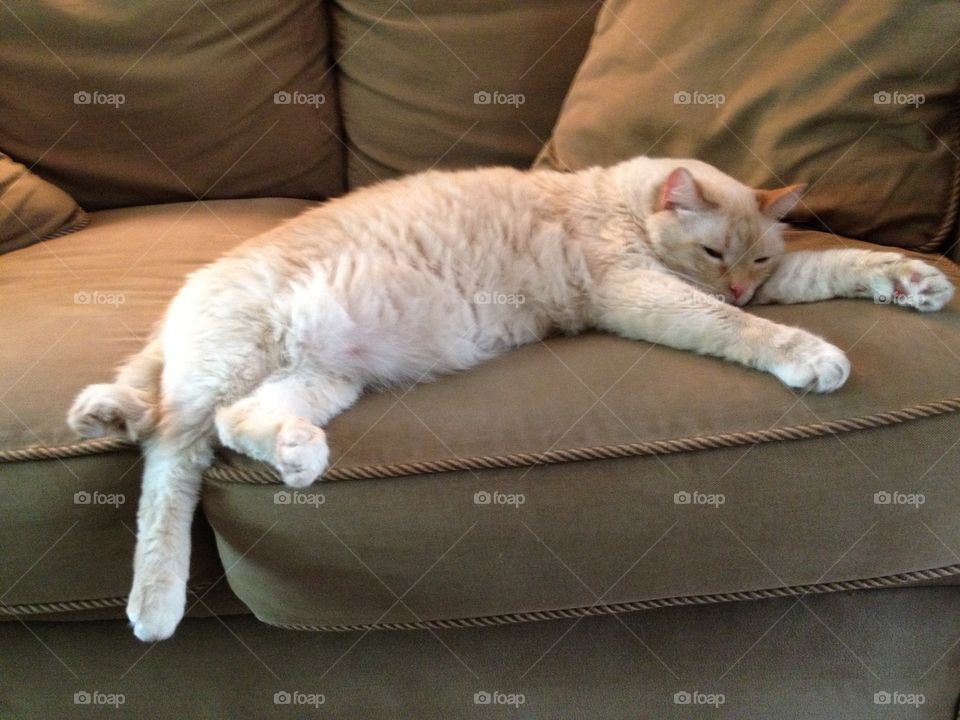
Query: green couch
x=584, y=528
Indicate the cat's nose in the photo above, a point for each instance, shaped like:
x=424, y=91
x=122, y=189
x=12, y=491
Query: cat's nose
x=737, y=290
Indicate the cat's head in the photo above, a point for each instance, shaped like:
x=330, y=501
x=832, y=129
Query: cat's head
x=716, y=232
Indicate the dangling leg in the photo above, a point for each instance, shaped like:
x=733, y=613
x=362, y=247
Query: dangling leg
x=280, y=421
x=173, y=471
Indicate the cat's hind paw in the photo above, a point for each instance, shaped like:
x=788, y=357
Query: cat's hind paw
x=302, y=453
x=156, y=606
x=109, y=409
x=818, y=367
x=916, y=284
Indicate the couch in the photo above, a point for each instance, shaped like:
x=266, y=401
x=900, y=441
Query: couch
x=584, y=528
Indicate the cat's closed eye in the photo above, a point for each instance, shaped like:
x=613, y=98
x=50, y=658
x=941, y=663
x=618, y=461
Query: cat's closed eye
x=712, y=253
x=761, y=260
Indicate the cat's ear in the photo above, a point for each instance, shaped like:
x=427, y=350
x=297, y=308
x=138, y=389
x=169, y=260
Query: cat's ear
x=680, y=191
x=777, y=204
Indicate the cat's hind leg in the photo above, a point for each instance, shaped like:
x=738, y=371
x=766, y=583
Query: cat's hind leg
x=280, y=422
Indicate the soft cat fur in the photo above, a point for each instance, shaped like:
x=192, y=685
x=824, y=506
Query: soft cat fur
x=404, y=280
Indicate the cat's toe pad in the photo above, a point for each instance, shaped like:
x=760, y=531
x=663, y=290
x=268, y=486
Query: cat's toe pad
x=822, y=368
x=916, y=284
x=302, y=453
x=156, y=606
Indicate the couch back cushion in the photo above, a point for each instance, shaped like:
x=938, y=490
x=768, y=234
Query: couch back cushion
x=125, y=103
x=860, y=100
x=451, y=84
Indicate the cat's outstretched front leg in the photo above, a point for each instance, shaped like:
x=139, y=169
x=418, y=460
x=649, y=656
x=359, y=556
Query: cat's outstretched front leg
x=888, y=277
x=650, y=305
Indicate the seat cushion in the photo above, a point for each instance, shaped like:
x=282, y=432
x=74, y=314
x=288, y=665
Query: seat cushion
x=648, y=475
x=593, y=474
x=129, y=103
x=73, y=308
x=859, y=100
x=428, y=82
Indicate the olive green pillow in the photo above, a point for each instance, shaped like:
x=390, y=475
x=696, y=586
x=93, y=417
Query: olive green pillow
x=453, y=84
x=859, y=100
x=31, y=209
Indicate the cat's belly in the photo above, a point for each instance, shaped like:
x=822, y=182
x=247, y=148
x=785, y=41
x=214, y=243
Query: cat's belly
x=387, y=337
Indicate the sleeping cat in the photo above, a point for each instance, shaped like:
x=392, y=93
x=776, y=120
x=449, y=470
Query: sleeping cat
x=402, y=281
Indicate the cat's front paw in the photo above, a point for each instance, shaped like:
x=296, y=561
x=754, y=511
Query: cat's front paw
x=814, y=365
x=912, y=283
x=156, y=606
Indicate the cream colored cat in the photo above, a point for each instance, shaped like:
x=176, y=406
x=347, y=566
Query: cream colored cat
x=436, y=273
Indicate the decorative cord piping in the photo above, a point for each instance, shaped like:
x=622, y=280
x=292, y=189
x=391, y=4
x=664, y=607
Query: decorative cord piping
x=265, y=476
x=77, y=449
x=874, y=583
x=82, y=221
x=77, y=605
x=885, y=581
